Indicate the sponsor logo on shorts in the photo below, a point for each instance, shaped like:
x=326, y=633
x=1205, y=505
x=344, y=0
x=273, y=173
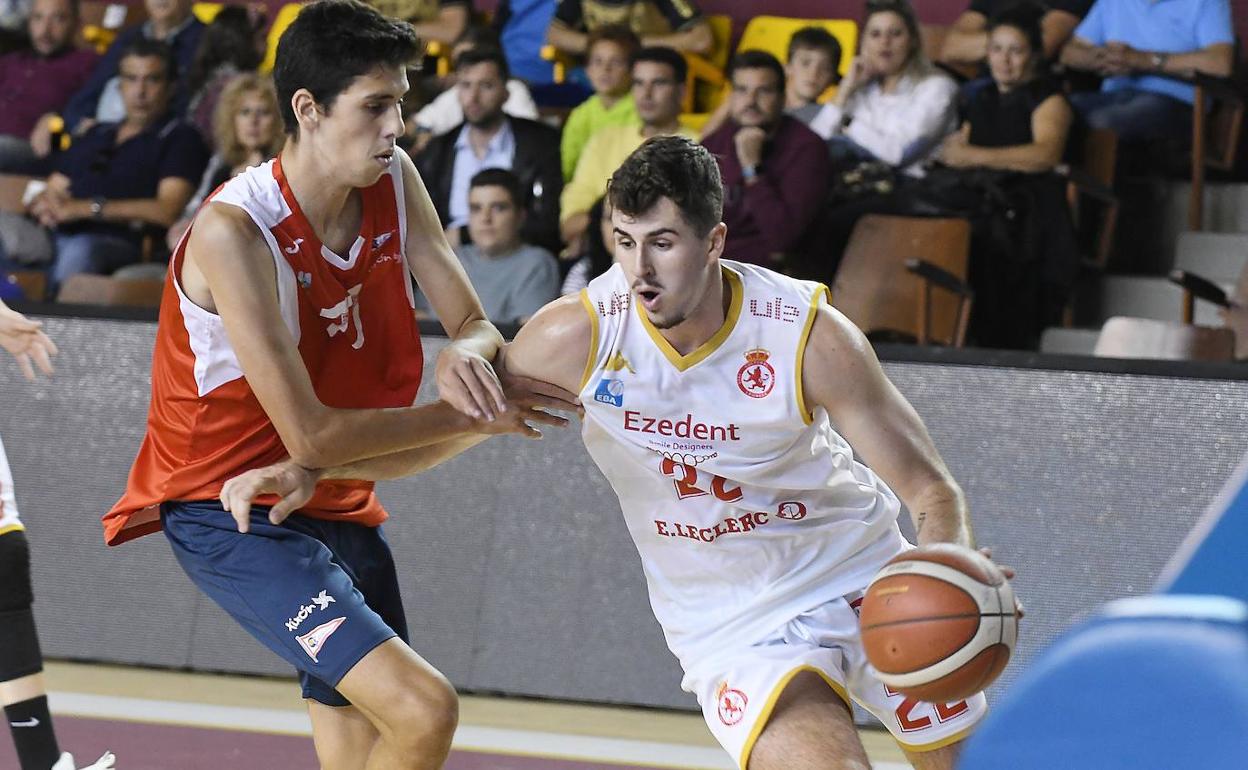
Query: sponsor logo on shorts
x=314, y=641
x=731, y=703
x=319, y=602
x=756, y=378
x=610, y=392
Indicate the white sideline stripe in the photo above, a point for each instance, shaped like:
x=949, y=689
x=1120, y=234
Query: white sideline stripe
x=467, y=737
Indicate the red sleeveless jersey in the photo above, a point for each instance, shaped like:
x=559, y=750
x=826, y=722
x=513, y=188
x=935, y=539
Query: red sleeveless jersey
x=354, y=324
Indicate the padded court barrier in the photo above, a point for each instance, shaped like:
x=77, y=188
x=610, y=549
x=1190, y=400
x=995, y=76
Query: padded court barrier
x=1154, y=683
x=518, y=574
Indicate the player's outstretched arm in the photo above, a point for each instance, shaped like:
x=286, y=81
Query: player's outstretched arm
x=842, y=374
x=463, y=372
x=228, y=255
x=26, y=342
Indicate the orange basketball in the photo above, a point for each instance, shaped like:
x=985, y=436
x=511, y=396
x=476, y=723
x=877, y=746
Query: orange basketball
x=939, y=623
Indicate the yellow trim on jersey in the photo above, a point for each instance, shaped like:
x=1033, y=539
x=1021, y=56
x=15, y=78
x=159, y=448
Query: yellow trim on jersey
x=761, y=722
x=940, y=744
x=822, y=290
x=14, y=527
x=593, y=338
x=710, y=346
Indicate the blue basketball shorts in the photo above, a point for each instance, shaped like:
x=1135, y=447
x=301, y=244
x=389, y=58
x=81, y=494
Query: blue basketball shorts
x=321, y=594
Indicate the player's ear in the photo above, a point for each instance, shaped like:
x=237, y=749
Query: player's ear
x=305, y=108
x=718, y=235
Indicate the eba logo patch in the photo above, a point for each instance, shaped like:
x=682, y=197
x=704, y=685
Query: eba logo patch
x=732, y=704
x=610, y=392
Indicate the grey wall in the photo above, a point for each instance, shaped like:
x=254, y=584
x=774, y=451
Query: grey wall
x=518, y=572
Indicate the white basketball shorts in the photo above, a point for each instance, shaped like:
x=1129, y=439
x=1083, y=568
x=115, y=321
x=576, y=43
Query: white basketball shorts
x=737, y=689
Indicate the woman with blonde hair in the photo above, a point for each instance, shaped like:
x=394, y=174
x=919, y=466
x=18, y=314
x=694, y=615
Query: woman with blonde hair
x=247, y=131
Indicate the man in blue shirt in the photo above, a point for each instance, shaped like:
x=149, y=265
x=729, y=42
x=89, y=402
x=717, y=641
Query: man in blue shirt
x=170, y=21
x=1130, y=43
x=121, y=181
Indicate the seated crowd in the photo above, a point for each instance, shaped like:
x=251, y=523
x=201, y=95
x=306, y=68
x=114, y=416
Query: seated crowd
x=132, y=142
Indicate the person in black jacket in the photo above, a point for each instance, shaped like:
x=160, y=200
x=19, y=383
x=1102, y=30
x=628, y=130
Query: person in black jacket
x=489, y=138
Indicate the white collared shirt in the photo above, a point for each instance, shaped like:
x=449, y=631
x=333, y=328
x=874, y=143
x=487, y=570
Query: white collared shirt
x=499, y=153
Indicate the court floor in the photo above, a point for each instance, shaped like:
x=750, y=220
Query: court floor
x=163, y=720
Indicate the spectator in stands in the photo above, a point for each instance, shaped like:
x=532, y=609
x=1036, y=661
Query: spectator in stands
x=13, y=18
x=489, y=138
x=893, y=105
x=599, y=254
x=966, y=44
x=141, y=170
x=38, y=82
x=512, y=278
x=675, y=24
x=1133, y=45
x=610, y=50
x=444, y=112
x=1024, y=257
x=658, y=89
x=169, y=21
x=441, y=21
x=247, y=131
x=521, y=27
x=775, y=169
x=233, y=44
x=814, y=56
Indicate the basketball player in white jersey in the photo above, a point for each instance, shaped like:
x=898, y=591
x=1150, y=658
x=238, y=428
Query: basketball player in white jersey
x=710, y=390
x=23, y=692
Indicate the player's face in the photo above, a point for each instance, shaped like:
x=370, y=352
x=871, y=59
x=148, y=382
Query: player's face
x=493, y=219
x=482, y=94
x=1009, y=56
x=809, y=73
x=607, y=68
x=756, y=98
x=358, y=132
x=668, y=265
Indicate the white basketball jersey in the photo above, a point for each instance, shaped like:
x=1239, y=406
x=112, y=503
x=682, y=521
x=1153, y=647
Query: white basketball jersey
x=9, y=520
x=746, y=508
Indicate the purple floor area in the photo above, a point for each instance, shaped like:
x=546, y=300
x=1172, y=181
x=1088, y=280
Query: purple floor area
x=141, y=746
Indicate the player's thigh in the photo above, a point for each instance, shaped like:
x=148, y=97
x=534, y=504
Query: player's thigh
x=343, y=735
x=399, y=691
x=810, y=728
x=943, y=758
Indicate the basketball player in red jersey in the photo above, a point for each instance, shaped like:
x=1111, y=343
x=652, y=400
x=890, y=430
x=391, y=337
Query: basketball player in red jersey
x=23, y=692
x=287, y=329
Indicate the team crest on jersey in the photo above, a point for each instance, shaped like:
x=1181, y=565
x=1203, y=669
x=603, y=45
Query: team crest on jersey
x=732, y=704
x=314, y=641
x=756, y=378
x=610, y=392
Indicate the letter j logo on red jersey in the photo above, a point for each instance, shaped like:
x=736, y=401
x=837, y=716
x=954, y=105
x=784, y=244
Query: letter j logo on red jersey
x=732, y=704
x=314, y=641
x=756, y=378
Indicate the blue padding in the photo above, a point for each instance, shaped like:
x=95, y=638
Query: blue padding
x=1157, y=683
x=1210, y=560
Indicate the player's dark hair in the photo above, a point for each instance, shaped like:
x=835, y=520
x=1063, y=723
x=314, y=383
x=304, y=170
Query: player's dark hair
x=818, y=39
x=145, y=48
x=480, y=55
x=331, y=43
x=758, y=60
x=664, y=55
x=500, y=177
x=675, y=168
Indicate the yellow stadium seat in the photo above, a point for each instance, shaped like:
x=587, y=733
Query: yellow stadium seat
x=285, y=15
x=206, y=12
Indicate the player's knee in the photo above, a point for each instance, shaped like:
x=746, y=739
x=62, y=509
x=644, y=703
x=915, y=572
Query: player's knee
x=15, y=590
x=424, y=717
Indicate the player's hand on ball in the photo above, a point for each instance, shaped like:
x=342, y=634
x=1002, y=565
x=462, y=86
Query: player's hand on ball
x=1009, y=575
x=467, y=382
x=293, y=483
